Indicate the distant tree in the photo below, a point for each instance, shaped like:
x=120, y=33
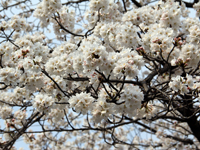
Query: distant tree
x=112, y=74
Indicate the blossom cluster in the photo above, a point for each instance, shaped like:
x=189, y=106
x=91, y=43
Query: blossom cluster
x=104, y=107
x=182, y=85
x=43, y=103
x=81, y=102
x=45, y=9
x=197, y=8
x=16, y=23
x=111, y=50
x=100, y=70
x=66, y=18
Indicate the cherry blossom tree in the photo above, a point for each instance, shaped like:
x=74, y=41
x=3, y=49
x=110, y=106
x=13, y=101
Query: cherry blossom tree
x=100, y=74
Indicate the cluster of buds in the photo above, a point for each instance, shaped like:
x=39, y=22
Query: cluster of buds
x=175, y=124
x=131, y=62
x=178, y=41
x=158, y=41
x=24, y=52
x=140, y=50
x=180, y=62
x=11, y=125
x=148, y=108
